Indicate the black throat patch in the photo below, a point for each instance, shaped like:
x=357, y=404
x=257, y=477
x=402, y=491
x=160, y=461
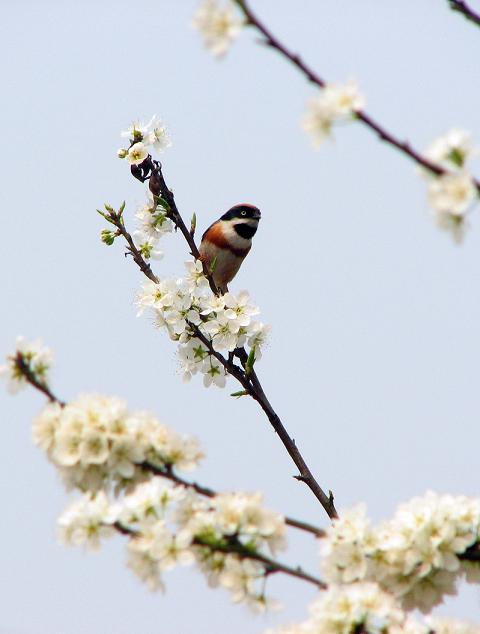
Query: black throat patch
x=245, y=231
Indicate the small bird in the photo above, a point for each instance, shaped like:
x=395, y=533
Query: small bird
x=226, y=243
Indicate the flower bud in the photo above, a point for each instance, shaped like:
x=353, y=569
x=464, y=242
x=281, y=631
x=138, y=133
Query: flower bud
x=107, y=237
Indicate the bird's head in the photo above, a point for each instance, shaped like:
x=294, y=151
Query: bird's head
x=243, y=219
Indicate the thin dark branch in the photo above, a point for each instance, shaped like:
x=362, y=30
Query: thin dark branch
x=462, y=7
x=149, y=170
x=273, y=42
x=132, y=250
x=234, y=546
x=32, y=378
x=271, y=566
x=169, y=474
x=472, y=553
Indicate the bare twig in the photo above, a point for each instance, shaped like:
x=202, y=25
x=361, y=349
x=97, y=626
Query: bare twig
x=273, y=42
x=152, y=170
x=462, y=7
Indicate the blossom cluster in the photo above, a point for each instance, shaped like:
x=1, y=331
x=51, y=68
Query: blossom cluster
x=36, y=359
x=218, y=24
x=365, y=607
x=170, y=525
x=187, y=309
x=453, y=194
x=336, y=103
x=141, y=136
x=96, y=442
x=414, y=556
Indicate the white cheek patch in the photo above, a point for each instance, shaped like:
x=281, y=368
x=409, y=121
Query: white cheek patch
x=232, y=236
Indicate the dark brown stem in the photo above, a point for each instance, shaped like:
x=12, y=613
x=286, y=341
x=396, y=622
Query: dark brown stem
x=152, y=170
x=169, y=474
x=403, y=146
x=30, y=376
x=132, y=250
x=472, y=553
x=462, y=7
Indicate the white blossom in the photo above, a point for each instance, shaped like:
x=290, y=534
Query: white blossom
x=213, y=373
x=414, y=556
x=153, y=220
x=452, y=150
x=346, y=609
x=156, y=134
x=344, y=99
x=240, y=577
x=150, y=501
x=152, y=133
x=345, y=550
x=95, y=441
x=145, y=567
x=147, y=245
x=187, y=309
x=219, y=24
x=141, y=136
x=155, y=295
x=87, y=521
x=452, y=193
x=238, y=308
x=137, y=153
x=243, y=515
x=336, y=102
x=35, y=356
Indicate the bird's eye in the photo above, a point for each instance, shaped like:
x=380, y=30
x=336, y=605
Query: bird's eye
x=243, y=213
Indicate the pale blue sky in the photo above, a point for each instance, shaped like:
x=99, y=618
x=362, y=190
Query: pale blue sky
x=373, y=362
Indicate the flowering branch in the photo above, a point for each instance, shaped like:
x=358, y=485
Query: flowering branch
x=273, y=42
x=233, y=545
x=166, y=471
x=462, y=7
x=152, y=171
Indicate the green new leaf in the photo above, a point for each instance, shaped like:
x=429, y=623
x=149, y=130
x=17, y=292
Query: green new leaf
x=239, y=394
x=163, y=203
x=250, y=361
x=107, y=218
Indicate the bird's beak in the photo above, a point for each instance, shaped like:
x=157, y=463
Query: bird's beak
x=257, y=215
